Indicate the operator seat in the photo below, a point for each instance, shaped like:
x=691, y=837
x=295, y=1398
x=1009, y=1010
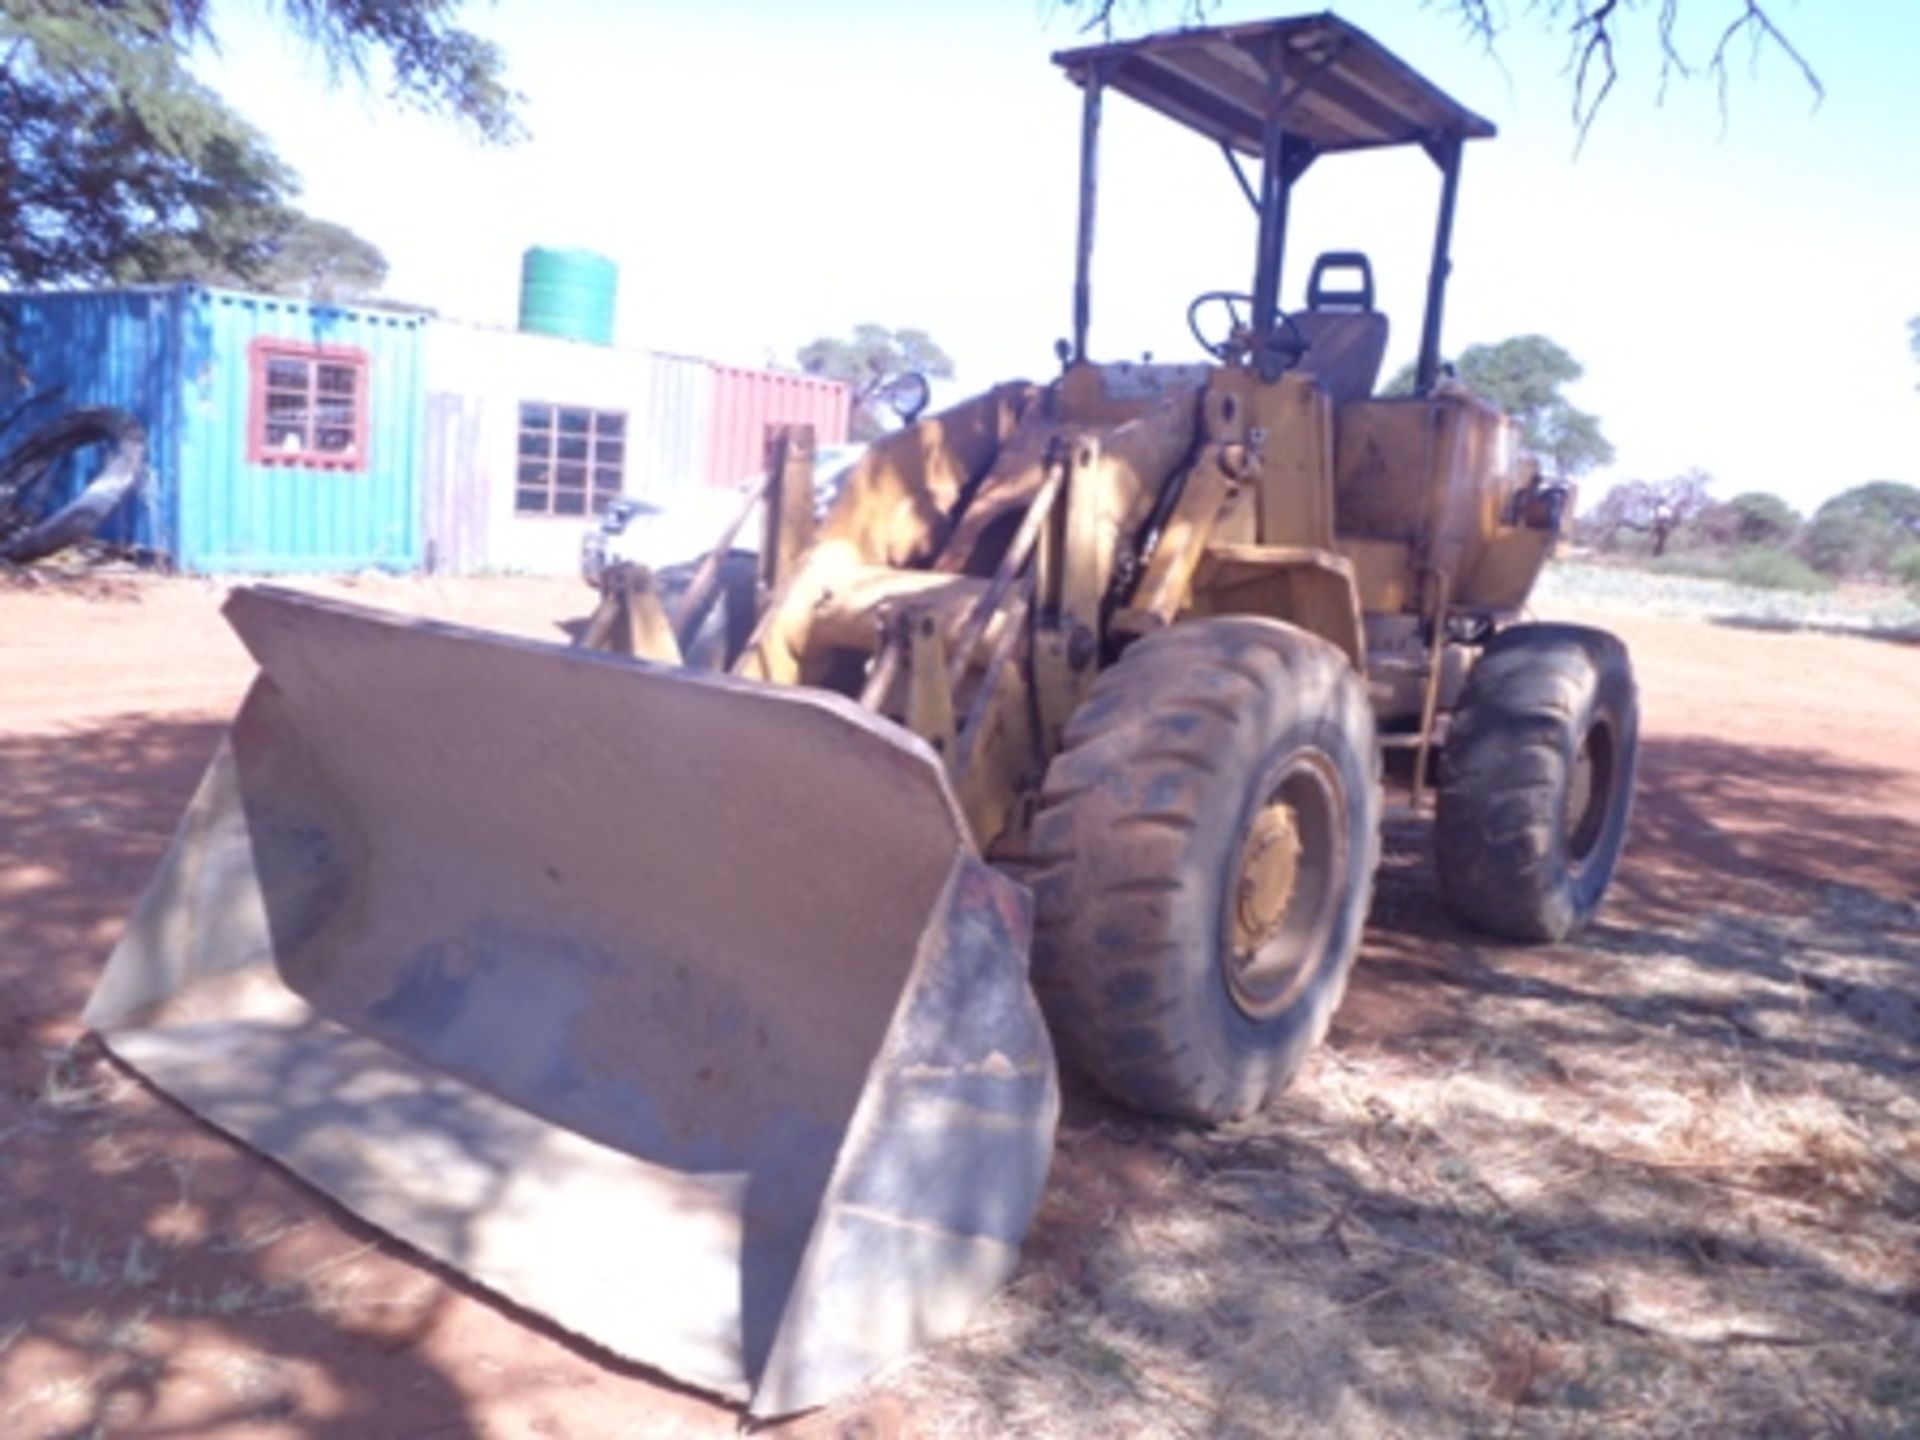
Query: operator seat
x=1346, y=336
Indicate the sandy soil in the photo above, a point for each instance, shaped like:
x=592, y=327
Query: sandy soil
x=1665, y=1180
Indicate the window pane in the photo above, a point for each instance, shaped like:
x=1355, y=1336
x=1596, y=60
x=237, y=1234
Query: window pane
x=536, y=417
x=609, y=422
x=568, y=503
x=530, y=501
x=573, y=447
x=533, y=472
x=309, y=406
x=574, y=422
x=570, y=477
x=540, y=445
x=285, y=428
x=609, y=452
x=606, y=479
x=601, y=500
x=336, y=379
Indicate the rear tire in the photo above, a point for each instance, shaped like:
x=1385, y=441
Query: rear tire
x=1536, y=781
x=1207, y=842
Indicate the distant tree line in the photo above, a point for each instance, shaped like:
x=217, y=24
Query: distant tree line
x=1871, y=532
x=871, y=362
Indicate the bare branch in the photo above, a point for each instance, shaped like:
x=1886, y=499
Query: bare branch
x=1592, y=40
x=1591, y=28
x=1754, y=22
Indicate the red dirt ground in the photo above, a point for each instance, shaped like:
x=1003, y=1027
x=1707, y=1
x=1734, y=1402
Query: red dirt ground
x=160, y=1281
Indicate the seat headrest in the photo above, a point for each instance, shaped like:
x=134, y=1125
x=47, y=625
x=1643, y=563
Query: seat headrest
x=1357, y=296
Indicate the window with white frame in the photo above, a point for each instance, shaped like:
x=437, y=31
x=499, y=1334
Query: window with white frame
x=572, y=460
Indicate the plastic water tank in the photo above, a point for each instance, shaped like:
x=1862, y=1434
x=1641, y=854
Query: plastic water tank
x=569, y=293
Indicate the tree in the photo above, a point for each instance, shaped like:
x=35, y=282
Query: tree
x=1860, y=531
x=1658, y=508
x=319, y=260
x=1523, y=376
x=870, y=362
x=119, y=165
x=1749, y=519
x=1591, y=28
x=301, y=256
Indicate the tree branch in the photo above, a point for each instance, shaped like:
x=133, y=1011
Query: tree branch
x=1754, y=21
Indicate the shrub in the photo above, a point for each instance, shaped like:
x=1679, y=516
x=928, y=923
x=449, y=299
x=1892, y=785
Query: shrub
x=1702, y=563
x=1768, y=569
x=1858, y=532
x=1752, y=518
x=1905, y=565
x=1841, y=544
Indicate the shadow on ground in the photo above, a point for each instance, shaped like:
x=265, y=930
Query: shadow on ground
x=1663, y=1180
x=1893, y=634
x=156, y=1278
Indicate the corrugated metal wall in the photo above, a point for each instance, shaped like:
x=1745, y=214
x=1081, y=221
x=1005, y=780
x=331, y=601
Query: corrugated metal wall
x=672, y=445
x=178, y=358
x=745, y=402
x=453, y=513
x=113, y=347
x=238, y=515
x=477, y=380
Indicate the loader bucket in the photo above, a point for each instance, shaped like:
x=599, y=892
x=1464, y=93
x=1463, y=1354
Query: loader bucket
x=675, y=1008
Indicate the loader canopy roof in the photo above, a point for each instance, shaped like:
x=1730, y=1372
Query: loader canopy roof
x=1332, y=85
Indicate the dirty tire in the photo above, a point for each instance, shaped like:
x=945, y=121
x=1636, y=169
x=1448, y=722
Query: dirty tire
x=1524, y=844
x=32, y=525
x=1168, y=776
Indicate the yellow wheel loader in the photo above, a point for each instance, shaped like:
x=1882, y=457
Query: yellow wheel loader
x=703, y=1012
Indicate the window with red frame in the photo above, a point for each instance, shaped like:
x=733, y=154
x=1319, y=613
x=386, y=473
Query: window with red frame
x=308, y=405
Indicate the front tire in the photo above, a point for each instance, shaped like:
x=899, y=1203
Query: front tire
x=1207, y=842
x=1536, y=781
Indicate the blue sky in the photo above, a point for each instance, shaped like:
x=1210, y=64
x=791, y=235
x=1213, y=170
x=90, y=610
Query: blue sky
x=766, y=172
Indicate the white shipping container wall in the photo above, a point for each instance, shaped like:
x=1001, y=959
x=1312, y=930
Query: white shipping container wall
x=478, y=379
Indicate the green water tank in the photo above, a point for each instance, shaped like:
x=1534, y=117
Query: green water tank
x=569, y=293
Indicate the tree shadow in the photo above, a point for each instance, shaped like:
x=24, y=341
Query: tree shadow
x=1776, y=866
x=159, y=1279
x=1654, y=1180
x=1779, y=625
x=1454, y=1223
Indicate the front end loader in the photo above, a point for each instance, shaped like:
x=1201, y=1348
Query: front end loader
x=702, y=1012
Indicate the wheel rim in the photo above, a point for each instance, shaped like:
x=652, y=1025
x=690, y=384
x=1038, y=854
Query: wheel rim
x=1589, y=793
x=1286, y=887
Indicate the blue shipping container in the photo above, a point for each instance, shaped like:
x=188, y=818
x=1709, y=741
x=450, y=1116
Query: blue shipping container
x=282, y=435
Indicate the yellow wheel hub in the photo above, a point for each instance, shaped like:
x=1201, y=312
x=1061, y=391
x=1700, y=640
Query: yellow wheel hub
x=1269, y=867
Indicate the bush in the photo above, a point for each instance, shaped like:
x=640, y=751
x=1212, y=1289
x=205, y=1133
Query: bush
x=1841, y=544
x=1905, y=565
x=1859, y=531
x=1763, y=519
x=1703, y=564
x=1753, y=518
x=1767, y=569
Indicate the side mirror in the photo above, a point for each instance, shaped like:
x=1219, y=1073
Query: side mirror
x=908, y=395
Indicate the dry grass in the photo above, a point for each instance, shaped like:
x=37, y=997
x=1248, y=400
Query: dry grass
x=1581, y=1209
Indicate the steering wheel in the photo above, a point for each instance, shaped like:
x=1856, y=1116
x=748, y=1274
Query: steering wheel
x=1285, y=347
